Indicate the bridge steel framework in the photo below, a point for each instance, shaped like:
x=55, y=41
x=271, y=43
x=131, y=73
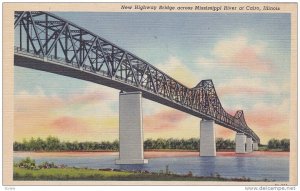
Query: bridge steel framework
x=76, y=52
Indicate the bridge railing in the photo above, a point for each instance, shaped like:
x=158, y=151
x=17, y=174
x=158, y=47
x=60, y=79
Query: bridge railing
x=44, y=35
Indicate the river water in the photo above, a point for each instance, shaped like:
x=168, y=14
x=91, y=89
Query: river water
x=259, y=166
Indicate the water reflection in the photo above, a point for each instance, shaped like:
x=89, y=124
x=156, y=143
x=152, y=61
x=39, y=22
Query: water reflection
x=207, y=166
x=240, y=163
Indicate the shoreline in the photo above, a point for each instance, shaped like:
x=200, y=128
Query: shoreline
x=80, y=174
x=99, y=172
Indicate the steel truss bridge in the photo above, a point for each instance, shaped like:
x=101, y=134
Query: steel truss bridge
x=46, y=42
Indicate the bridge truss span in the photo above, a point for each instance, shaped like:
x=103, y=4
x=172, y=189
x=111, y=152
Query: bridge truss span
x=74, y=51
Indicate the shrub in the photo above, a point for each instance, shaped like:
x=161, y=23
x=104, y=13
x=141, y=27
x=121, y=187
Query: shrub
x=27, y=163
x=47, y=165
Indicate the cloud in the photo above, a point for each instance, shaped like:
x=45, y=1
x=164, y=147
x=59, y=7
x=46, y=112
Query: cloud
x=39, y=115
x=66, y=122
x=251, y=87
x=240, y=53
x=163, y=120
x=93, y=94
x=88, y=98
x=36, y=101
x=268, y=116
x=224, y=133
x=179, y=71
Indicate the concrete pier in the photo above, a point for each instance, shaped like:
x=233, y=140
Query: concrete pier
x=131, y=129
x=249, y=145
x=207, y=138
x=240, y=143
x=255, y=146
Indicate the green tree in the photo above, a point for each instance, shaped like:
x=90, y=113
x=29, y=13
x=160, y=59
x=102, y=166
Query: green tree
x=274, y=144
x=18, y=146
x=115, y=145
x=63, y=146
x=285, y=144
x=26, y=145
x=220, y=143
x=52, y=144
x=41, y=143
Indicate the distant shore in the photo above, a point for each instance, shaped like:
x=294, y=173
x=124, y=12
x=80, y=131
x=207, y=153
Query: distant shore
x=149, y=154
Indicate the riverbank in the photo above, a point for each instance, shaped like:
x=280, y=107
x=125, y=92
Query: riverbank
x=109, y=174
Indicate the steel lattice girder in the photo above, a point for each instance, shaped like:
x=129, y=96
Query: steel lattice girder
x=44, y=35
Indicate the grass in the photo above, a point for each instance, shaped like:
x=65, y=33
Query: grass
x=94, y=174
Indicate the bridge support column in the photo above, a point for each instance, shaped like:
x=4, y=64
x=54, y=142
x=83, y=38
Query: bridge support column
x=131, y=129
x=255, y=146
x=240, y=143
x=207, y=138
x=249, y=145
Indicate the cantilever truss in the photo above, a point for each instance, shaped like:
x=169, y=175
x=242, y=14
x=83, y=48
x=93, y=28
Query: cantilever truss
x=47, y=36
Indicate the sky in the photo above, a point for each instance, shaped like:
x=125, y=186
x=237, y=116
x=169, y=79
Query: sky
x=246, y=55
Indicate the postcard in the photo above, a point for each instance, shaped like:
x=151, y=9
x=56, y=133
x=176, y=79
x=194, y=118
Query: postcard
x=150, y=94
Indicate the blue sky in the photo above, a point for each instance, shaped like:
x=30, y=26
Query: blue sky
x=246, y=55
x=156, y=36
